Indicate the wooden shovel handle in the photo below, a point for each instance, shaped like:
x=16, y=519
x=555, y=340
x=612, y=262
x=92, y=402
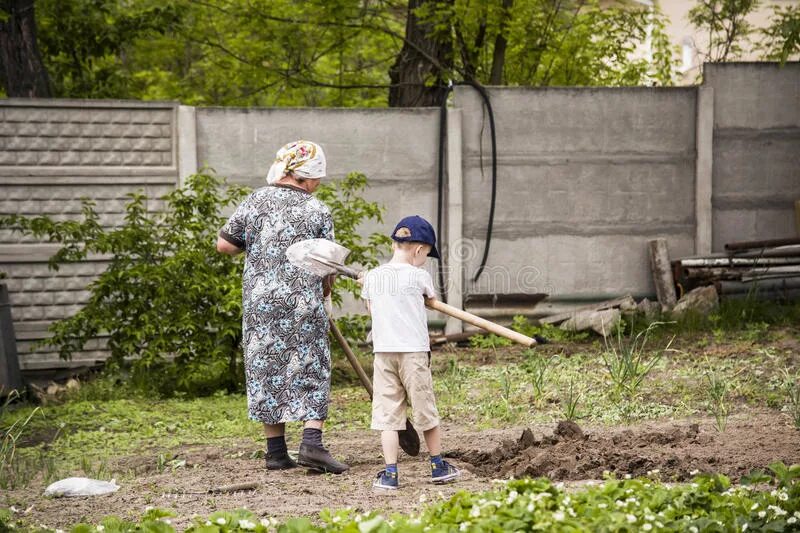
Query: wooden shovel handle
x=348, y=352
x=442, y=307
x=482, y=323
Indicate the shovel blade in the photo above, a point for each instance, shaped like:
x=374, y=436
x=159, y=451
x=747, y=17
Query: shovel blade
x=409, y=439
x=304, y=254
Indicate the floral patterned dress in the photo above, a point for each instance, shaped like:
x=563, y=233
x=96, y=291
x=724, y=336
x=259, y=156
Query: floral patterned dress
x=287, y=357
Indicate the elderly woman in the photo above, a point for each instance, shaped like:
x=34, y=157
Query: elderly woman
x=287, y=357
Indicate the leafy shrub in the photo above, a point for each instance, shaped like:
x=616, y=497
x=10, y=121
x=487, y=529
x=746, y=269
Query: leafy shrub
x=169, y=304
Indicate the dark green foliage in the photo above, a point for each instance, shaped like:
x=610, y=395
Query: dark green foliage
x=169, y=305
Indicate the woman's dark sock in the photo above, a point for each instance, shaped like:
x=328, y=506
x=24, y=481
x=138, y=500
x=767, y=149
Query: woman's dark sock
x=312, y=437
x=276, y=445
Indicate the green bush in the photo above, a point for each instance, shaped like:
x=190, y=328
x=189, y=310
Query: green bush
x=169, y=305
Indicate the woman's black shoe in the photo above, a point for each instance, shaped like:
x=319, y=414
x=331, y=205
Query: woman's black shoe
x=319, y=459
x=280, y=461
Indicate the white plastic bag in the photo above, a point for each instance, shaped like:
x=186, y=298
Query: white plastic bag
x=81, y=486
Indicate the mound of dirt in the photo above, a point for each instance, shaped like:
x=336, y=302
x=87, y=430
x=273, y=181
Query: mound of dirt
x=567, y=452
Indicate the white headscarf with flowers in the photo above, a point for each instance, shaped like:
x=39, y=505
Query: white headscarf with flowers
x=304, y=159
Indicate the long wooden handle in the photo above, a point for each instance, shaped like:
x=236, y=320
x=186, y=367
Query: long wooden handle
x=442, y=307
x=348, y=352
x=482, y=323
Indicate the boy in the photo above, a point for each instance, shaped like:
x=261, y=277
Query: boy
x=395, y=295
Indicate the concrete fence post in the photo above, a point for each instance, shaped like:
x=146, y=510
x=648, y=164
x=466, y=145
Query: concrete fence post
x=455, y=220
x=187, y=143
x=703, y=169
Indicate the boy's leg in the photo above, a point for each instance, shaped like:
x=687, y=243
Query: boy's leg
x=388, y=414
x=390, y=444
x=433, y=440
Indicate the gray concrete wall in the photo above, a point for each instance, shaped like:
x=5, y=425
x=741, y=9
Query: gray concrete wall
x=52, y=154
x=585, y=178
x=756, y=172
x=395, y=148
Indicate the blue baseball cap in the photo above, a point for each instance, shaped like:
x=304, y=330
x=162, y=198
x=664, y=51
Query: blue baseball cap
x=416, y=229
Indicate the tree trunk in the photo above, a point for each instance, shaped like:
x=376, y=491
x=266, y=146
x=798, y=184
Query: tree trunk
x=21, y=69
x=500, y=43
x=421, y=60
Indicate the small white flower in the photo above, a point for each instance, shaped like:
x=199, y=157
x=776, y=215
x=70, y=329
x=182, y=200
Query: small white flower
x=647, y=527
x=693, y=529
x=464, y=526
x=797, y=514
x=166, y=521
x=762, y=514
x=649, y=517
x=754, y=507
x=694, y=485
x=567, y=500
x=264, y=522
x=619, y=503
x=357, y=519
x=630, y=518
x=246, y=524
x=512, y=496
x=336, y=519
x=423, y=498
x=777, y=510
x=782, y=496
x=571, y=512
x=602, y=505
x=791, y=520
x=529, y=508
x=627, y=476
x=744, y=526
x=208, y=522
x=13, y=509
x=558, y=516
x=694, y=472
x=221, y=521
x=59, y=531
x=475, y=512
x=100, y=527
x=659, y=525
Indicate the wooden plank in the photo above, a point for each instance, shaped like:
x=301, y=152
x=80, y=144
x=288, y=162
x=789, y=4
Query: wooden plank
x=662, y=273
x=608, y=304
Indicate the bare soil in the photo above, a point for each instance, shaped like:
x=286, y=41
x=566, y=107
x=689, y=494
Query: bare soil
x=754, y=439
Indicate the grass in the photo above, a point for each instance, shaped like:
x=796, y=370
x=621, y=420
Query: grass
x=487, y=387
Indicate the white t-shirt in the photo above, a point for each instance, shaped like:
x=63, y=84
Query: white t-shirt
x=395, y=292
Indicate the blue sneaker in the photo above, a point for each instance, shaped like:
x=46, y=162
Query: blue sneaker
x=385, y=480
x=444, y=472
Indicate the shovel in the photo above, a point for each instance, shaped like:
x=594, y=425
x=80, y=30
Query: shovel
x=323, y=258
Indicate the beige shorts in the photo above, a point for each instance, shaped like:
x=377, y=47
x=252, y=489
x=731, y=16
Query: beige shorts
x=400, y=379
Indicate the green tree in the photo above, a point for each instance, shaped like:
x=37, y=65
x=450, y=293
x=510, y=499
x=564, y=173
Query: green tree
x=90, y=46
x=781, y=39
x=726, y=27
x=339, y=52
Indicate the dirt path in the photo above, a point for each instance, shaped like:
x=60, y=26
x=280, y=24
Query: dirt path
x=675, y=448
